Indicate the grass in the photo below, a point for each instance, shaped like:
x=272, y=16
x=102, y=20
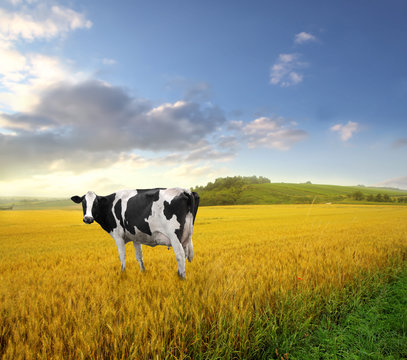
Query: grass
x=284, y=193
x=376, y=329
x=263, y=277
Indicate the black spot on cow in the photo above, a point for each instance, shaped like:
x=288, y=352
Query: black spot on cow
x=118, y=212
x=102, y=212
x=138, y=209
x=84, y=205
x=179, y=206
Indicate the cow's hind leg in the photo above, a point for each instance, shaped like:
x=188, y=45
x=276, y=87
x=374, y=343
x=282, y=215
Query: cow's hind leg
x=186, y=239
x=179, y=255
x=190, y=251
x=121, y=248
x=139, y=255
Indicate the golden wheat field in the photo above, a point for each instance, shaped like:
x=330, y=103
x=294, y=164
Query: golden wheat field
x=62, y=295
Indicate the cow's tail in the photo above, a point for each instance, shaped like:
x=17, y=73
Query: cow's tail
x=193, y=203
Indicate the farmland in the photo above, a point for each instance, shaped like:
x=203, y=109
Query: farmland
x=261, y=280
x=240, y=190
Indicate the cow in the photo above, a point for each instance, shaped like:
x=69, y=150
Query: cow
x=146, y=217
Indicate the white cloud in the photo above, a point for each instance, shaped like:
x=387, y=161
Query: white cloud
x=23, y=76
x=12, y=63
x=346, y=131
x=40, y=22
x=273, y=133
x=31, y=74
x=304, y=37
x=285, y=71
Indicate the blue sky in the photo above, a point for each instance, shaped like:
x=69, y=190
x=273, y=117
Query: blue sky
x=107, y=95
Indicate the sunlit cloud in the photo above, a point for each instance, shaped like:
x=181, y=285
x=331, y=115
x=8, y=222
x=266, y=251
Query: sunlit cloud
x=24, y=75
x=273, y=133
x=40, y=22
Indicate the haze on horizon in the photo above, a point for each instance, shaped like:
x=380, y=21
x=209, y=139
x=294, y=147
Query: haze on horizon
x=101, y=96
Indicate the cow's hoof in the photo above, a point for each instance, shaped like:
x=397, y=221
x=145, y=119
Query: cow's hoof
x=181, y=275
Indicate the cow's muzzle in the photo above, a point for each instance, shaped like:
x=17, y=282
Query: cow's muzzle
x=88, y=219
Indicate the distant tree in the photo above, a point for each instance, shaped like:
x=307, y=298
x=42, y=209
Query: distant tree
x=370, y=197
x=235, y=182
x=379, y=197
x=264, y=180
x=309, y=182
x=386, y=198
x=358, y=195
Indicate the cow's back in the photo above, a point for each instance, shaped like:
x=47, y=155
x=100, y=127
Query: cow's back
x=143, y=212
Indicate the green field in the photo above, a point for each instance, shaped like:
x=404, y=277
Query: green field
x=299, y=193
x=285, y=193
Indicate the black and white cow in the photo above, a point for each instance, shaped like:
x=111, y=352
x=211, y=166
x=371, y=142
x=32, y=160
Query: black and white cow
x=145, y=217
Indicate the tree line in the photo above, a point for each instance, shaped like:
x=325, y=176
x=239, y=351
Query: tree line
x=226, y=191
x=236, y=182
x=359, y=196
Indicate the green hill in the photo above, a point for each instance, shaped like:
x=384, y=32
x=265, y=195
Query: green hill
x=251, y=190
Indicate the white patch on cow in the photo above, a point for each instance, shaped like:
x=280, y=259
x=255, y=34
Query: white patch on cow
x=157, y=220
x=125, y=195
x=90, y=198
x=118, y=226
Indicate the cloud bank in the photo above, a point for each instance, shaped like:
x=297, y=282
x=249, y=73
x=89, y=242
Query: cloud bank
x=399, y=183
x=93, y=124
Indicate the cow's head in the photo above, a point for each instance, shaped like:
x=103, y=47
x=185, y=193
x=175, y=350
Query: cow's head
x=89, y=204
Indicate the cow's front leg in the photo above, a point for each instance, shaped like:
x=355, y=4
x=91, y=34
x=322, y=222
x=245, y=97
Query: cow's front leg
x=121, y=248
x=179, y=255
x=139, y=255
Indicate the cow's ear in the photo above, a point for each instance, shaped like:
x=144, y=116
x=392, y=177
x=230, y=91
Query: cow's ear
x=77, y=199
